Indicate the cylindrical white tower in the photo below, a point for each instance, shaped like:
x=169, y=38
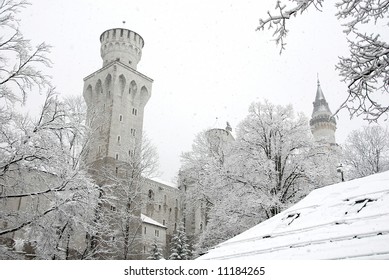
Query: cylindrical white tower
x=122, y=45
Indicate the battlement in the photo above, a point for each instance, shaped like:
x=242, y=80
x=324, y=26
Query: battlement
x=119, y=44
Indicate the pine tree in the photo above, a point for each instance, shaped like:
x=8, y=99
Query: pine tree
x=155, y=252
x=179, y=245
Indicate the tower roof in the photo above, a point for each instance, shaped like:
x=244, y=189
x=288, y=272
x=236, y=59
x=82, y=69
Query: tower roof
x=320, y=105
x=319, y=93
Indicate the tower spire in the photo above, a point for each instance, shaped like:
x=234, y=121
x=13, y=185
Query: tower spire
x=323, y=124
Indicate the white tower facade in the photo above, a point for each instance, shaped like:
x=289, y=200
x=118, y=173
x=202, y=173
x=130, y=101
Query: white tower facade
x=116, y=96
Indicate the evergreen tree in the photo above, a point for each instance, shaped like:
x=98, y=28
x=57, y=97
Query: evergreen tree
x=179, y=245
x=155, y=252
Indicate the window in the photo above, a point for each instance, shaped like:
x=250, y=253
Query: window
x=134, y=111
x=151, y=194
x=145, y=231
x=113, y=208
x=163, y=222
x=159, y=207
x=156, y=233
x=117, y=156
x=119, y=139
x=116, y=170
x=133, y=131
x=120, y=118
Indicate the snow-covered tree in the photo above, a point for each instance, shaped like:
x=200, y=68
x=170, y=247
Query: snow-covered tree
x=155, y=251
x=274, y=155
x=272, y=164
x=365, y=70
x=117, y=227
x=366, y=151
x=179, y=246
x=44, y=197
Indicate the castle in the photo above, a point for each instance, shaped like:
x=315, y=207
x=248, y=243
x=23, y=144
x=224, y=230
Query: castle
x=116, y=96
x=119, y=94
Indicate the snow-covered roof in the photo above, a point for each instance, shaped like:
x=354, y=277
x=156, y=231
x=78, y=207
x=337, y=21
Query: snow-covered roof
x=348, y=220
x=159, y=180
x=148, y=220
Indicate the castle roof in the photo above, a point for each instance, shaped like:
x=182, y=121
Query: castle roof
x=321, y=110
x=348, y=220
x=148, y=220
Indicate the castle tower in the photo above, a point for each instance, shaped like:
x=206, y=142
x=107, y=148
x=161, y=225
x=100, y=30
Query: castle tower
x=323, y=124
x=116, y=96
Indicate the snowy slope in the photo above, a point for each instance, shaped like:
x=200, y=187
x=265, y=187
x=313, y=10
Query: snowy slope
x=348, y=220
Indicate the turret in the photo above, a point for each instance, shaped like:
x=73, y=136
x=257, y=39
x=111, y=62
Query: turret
x=122, y=45
x=323, y=124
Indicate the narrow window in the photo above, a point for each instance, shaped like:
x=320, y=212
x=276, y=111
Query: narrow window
x=145, y=231
x=120, y=118
x=117, y=156
x=159, y=207
x=119, y=139
x=116, y=170
x=121, y=32
x=163, y=222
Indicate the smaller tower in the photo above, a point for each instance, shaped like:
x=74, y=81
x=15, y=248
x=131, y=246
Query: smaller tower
x=323, y=124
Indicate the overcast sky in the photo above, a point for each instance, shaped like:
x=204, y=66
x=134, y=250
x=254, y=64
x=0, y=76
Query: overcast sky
x=207, y=61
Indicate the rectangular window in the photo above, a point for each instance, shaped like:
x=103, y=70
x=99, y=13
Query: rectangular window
x=163, y=222
x=120, y=118
x=145, y=231
x=118, y=139
x=116, y=156
x=133, y=131
x=156, y=233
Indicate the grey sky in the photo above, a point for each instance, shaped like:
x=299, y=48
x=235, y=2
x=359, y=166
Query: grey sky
x=207, y=61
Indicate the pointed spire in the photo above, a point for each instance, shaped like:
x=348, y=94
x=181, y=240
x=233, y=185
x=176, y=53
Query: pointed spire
x=319, y=92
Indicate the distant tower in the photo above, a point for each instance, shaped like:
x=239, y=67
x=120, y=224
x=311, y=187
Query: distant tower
x=323, y=124
x=116, y=96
